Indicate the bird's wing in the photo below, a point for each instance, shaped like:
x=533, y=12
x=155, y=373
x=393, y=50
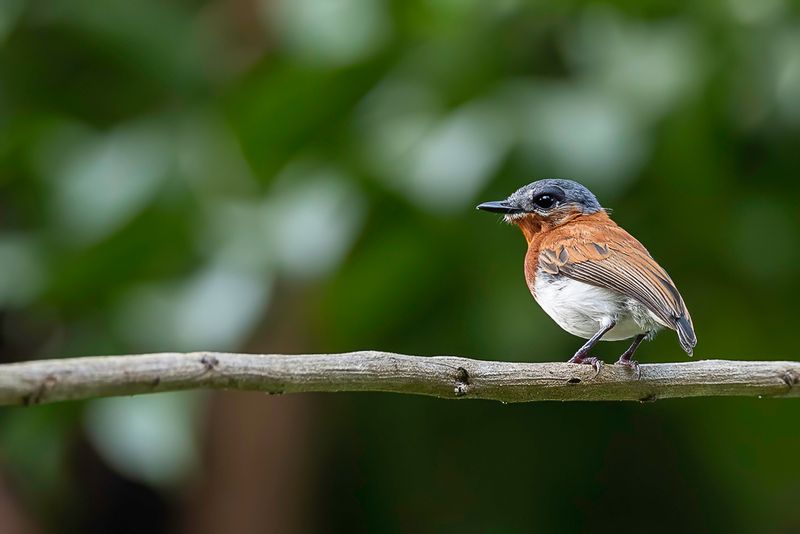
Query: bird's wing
x=607, y=256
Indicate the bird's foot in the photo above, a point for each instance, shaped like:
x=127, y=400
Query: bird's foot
x=596, y=363
x=631, y=364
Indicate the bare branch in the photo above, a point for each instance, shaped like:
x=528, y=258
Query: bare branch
x=46, y=381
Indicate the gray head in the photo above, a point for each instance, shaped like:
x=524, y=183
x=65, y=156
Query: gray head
x=545, y=198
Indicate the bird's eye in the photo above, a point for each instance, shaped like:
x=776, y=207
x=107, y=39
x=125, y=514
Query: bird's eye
x=544, y=201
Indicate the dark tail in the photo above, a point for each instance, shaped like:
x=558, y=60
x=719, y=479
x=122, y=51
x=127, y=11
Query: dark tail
x=686, y=335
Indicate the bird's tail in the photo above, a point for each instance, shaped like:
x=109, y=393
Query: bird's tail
x=686, y=335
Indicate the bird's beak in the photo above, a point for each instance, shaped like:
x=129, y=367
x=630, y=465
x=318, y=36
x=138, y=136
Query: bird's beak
x=499, y=206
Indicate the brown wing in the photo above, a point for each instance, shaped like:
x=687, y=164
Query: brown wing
x=608, y=256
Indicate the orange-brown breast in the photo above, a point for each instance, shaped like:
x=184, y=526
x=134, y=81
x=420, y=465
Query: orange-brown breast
x=541, y=232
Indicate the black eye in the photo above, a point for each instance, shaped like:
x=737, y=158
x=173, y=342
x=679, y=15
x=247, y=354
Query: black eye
x=544, y=201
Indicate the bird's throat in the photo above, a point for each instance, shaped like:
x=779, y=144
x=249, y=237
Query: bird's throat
x=531, y=225
x=535, y=226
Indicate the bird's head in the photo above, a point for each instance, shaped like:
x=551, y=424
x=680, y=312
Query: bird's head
x=552, y=201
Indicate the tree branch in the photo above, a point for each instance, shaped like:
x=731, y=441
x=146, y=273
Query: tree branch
x=44, y=381
x=447, y=377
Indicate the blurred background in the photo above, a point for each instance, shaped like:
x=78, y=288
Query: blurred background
x=298, y=176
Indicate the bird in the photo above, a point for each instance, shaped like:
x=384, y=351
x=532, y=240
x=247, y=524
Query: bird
x=593, y=278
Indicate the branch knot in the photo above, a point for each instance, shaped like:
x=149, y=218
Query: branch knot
x=791, y=377
x=209, y=362
x=462, y=382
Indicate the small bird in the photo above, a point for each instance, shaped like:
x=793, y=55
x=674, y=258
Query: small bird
x=594, y=279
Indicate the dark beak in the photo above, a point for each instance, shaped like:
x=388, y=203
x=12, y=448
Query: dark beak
x=500, y=206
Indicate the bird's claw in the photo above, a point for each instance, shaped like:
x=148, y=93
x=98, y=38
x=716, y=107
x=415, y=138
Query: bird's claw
x=596, y=363
x=631, y=364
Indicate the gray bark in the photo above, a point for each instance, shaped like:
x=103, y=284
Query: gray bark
x=44, y=381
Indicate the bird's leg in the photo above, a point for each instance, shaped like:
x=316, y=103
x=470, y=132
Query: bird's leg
x=627, y=357
x=582, y=356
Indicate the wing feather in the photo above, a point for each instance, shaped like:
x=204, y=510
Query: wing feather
x=607, y=256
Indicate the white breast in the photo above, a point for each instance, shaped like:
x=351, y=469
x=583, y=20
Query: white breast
x=582, y=309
